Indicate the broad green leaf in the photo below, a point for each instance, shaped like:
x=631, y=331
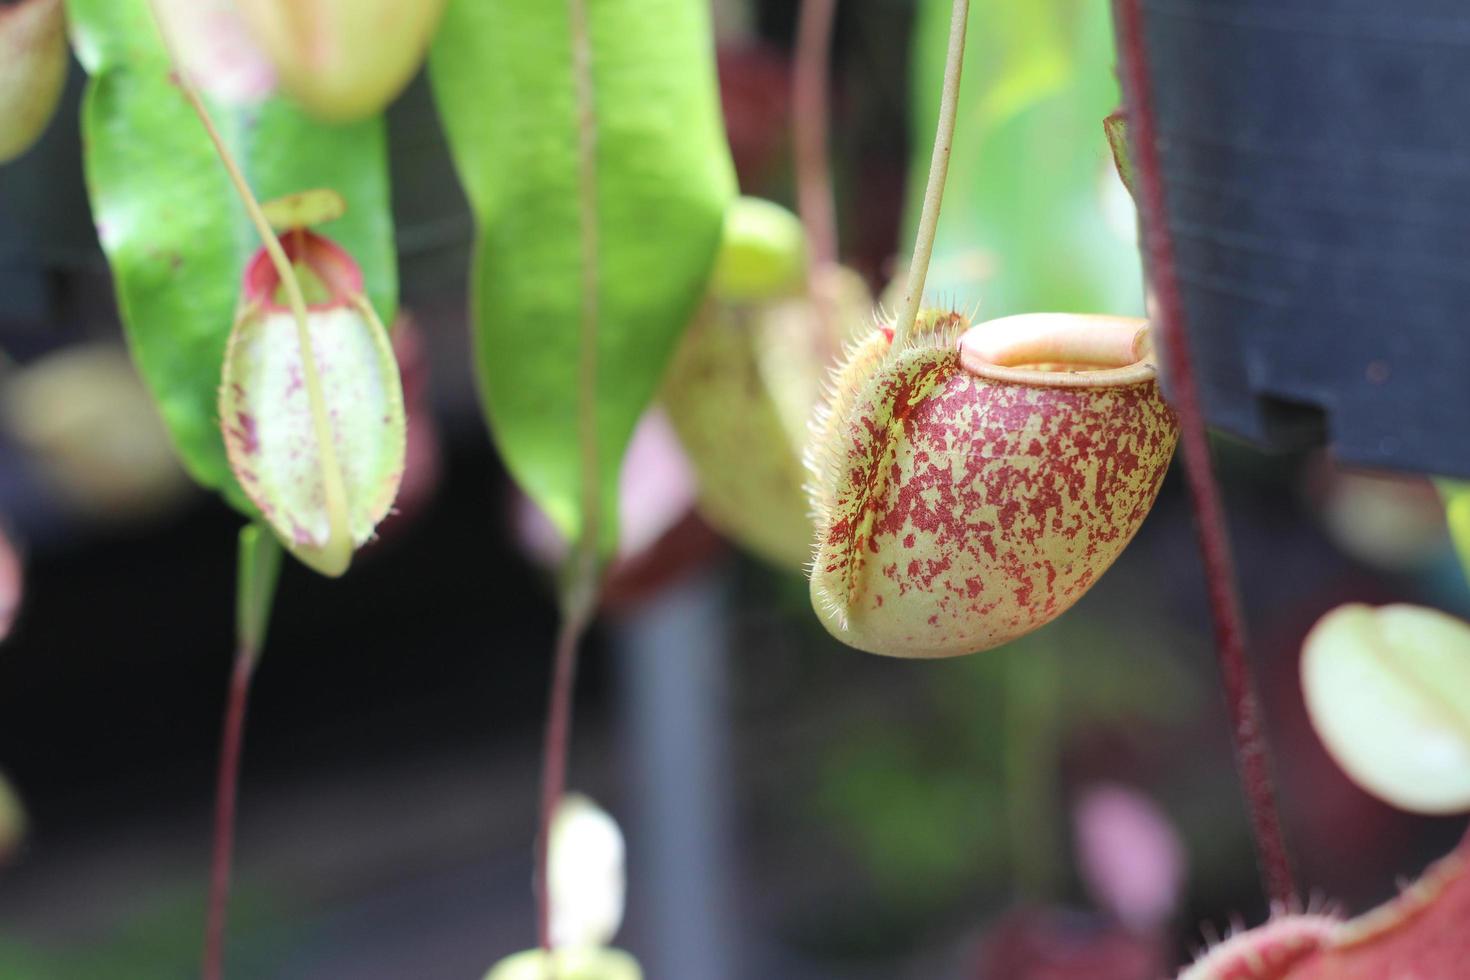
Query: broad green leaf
x=1388, y=691
x=1456, y=497
x=174, y=232
x=503, y=78
x=1030, y=221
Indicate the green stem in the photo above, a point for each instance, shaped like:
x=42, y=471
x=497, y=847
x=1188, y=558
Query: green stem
x=938, y=170
x=339, y=547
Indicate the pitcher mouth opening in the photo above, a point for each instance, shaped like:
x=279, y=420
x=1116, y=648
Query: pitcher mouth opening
x=334, y=277
x=1070, y=350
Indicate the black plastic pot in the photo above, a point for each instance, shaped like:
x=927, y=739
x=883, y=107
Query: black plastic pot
x=1316, y=159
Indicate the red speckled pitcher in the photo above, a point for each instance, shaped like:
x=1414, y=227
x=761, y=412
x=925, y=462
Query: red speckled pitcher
x=971, y=487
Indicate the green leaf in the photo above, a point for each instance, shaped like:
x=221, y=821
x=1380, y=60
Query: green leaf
x=1456, y=497
x=1388, y=691
x=176, y=235
x=1028, y=223
x=503, y=77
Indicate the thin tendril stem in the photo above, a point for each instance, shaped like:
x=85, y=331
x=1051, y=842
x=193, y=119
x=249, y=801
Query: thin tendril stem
x=332, y=483
x=809, y=120
x=556, y=749
x=1252, y=751
x=255, y=586
x=938, y=170
x=227, y=782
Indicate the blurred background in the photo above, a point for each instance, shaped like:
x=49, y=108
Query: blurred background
x=1066, y=807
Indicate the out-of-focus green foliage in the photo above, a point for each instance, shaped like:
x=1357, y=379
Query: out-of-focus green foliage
x=504, y=79
x=964, y=798
x=156, y=935
x=1034, y=218
x=175, y=233
x=1456, y=496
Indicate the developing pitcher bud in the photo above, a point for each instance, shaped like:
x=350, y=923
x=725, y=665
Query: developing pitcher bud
x=743, y=382
x=970, y=487
x=740, y=393
x=321, y=502
x=579, y=963
x=32, y=71
x=343, y=59
x=762, y=252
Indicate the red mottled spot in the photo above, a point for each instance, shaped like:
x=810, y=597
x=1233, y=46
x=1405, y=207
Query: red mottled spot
x=245, y=433
x=908, y=540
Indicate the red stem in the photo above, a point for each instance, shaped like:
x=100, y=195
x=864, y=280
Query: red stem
x=1251, y=750
x=226, y=786
x=814, y=198
x=555, y=748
